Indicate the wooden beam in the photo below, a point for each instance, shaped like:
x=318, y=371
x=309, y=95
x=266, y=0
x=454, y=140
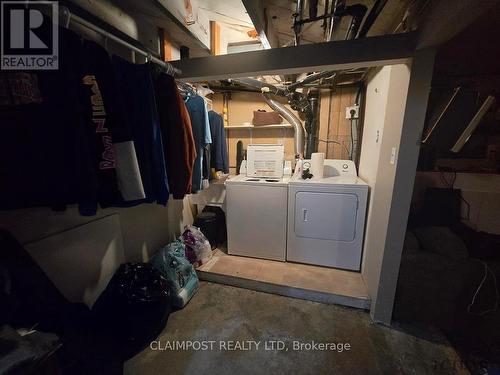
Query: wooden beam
x=336, y=55
x=166, y=46
x=214, y=38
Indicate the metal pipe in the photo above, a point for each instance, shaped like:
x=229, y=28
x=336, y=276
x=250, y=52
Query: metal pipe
x=430, y=130
x=293, y=120
x=169, y=68
x=223, y=88
x=356, y=127
x=255, y=83
x=297, y=25
x=473, y=124
x=333, y=21
x=310, y=78
x=312, y=123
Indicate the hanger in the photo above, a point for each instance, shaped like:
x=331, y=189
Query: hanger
x=186, y=90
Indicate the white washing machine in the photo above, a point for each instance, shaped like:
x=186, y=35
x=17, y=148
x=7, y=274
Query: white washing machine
x=326, y=217
x=256, y=205
x=256, y=212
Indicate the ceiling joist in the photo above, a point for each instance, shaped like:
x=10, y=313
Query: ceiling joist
x=336, y=55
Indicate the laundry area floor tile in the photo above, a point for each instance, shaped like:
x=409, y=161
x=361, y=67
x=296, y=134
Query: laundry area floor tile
x=321, y=284
x=225, y=314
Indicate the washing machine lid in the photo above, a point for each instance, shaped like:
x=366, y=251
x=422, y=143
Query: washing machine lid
x=348, y=181
x=268, y=181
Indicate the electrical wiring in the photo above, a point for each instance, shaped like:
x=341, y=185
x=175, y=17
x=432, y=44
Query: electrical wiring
x=351, y=151
x=450, y=184
x=332, y=141
x=497, y=297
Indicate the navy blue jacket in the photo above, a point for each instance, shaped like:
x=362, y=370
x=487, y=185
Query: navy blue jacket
x=219, y=158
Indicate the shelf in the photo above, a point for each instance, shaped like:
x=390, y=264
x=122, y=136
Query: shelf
x=273, y=126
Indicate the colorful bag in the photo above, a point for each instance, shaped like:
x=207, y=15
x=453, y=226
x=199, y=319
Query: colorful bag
x=178, y=271
x=198, y=249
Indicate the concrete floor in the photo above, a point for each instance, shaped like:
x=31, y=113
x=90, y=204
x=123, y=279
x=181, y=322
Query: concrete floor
x=221, y=313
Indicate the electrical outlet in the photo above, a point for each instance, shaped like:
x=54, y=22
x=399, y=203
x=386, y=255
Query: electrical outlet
x=393, y=155
x=352, y=112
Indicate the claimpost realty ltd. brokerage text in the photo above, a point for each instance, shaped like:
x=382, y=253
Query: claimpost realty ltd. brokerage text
x=248, y=345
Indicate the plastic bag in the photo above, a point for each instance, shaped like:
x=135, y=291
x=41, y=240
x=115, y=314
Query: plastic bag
x=178, y=271
x=135, y=306
x=198, y=249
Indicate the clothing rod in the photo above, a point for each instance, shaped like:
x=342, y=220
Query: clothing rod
x=170, y=69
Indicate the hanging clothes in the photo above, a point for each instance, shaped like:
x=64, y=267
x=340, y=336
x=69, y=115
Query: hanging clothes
x=103, y=101
x=219, y=155
x=177, y=134
x=100, y=123
x=206, y=172
x=45, y=157
x=139, y=104
x=190, y=144
x=201, y=131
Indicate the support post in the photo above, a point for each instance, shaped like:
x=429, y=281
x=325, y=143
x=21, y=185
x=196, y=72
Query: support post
x=413, y=124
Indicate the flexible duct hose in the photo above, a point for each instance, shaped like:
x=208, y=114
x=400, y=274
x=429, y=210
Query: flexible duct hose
x=293, y=120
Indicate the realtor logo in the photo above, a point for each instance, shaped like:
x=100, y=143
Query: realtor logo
x=29, y=35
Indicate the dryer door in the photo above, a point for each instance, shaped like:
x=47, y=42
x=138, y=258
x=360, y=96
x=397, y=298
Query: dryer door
x=326, y=216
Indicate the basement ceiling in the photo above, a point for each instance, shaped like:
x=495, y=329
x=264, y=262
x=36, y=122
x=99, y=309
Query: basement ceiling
x=389, y=21
x=237, y=28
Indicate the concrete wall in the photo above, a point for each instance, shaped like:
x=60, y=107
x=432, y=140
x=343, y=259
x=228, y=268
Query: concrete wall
x=385, y=104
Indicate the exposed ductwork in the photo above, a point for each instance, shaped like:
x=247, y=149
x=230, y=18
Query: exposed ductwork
x=268, y=90
x=293, y=120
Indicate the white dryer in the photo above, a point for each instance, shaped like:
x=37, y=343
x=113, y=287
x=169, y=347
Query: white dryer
x=326, y=217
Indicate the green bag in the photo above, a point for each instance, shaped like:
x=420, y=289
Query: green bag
x=182, y=280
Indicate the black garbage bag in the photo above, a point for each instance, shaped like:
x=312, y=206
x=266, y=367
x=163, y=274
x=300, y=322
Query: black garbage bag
x=134, y=307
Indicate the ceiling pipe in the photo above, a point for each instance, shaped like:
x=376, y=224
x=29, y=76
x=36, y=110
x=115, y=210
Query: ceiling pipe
x=309, y=79
x=312, y=123
x=255, y=83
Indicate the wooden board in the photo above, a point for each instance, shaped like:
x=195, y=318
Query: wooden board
x=321, y=284
x=333, y=124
